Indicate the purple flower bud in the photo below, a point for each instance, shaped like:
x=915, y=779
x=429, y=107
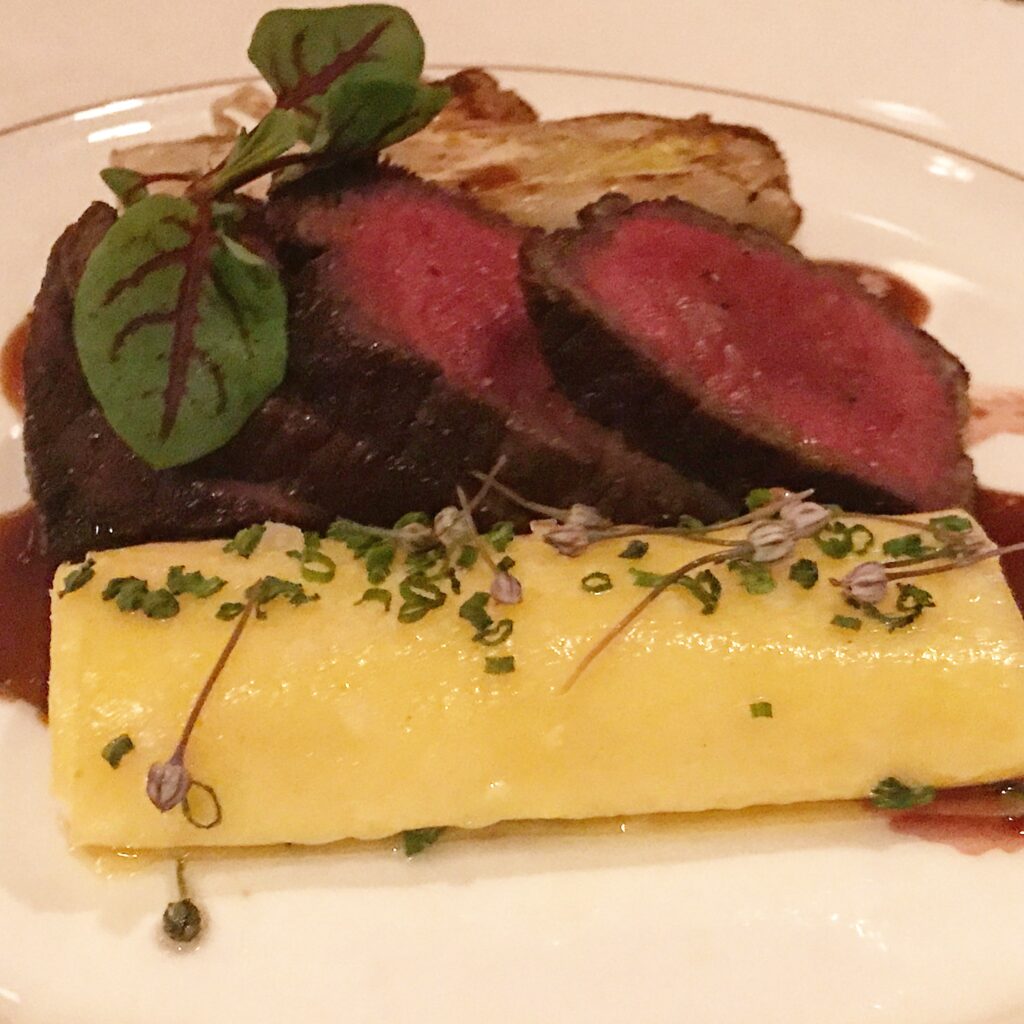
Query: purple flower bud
x=805, y=517
x=867, y=584
x=568, y=540
x=770, y=541
x=452, y=527
x=542, y=527
x=506, y=589
x=167, y=784
x=587, y=517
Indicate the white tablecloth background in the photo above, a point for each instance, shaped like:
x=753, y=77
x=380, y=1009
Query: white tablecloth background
x=950, y=70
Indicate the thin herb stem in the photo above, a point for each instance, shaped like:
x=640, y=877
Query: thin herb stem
x=179, y=874
x=630, y=617
x=482, y=547
x=617, y=532
x=901, y=563
x=960, y=563
x=518, y=499
x=756, y=515
x=488, y=481
x=178, y=756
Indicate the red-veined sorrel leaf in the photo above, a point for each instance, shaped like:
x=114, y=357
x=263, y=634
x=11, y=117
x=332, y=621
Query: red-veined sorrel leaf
x=275, y=134
x=302, y=53
x=367, y=111
x=180, y=330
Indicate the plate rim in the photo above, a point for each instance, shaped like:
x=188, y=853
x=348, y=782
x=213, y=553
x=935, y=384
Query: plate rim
x=540, y=69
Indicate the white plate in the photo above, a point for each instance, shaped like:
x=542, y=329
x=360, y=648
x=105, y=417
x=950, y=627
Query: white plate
x=801, y=915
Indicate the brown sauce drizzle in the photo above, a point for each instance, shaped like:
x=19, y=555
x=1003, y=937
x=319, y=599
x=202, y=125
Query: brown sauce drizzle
x=25, y=575
x=995, y=411
x=12, y=377
x=896, y=294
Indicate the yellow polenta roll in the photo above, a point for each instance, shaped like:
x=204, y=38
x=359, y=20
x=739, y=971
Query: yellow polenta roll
x=334, y=719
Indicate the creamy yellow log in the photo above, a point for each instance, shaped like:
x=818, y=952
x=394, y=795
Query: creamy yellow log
x=336, y=720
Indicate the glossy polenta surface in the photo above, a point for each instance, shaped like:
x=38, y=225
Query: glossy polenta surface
x=335, y=720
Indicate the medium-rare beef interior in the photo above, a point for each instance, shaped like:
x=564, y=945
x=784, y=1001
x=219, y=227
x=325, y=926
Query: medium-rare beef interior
x=728, y=355
x=412, y=363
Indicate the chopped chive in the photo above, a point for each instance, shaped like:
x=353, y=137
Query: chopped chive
x=416, y=840
x=910, y=545
x=467, y=557
x=757, y=497
x=181, y=582
x=411, y=518
x=379, y=595
x=596, y=583
x=500, y=536
x=893, y=795
x=246, y=540
x=499, y=666
x=116, y=749
x=951, y=523
x=804, y=573
x=846, y=622
x=635, y=549
x=230, y=610
x=78, y=577
x=756, y=577
x=761, y=709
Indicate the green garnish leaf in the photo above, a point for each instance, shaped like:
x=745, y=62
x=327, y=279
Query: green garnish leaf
x=377, y=594
x=78, y=577
x=635, y=549
x=706, y=588
x=506, y=564
x=689, y=523
x=758, y=497
x=892, y=795
x=951, y=524
x=499, y=666
x=230, y=610
x=804, y=573
x=467, y=557
x=908, y=546
x=369, y=110
x=180, y=330
x=128, y=186
x=419, y=563
x=159, y=604
x=643, y=578
x=837, y=540
x=846, y=622
x=246, y=541
x=181, y=582
x=379, y=558
x=474, y=611
x=500, y=536
x=913, y=598
x=273, y=136
x=115, y=750
x=756, y=577
x=414, y=519
x=596, y=583
x=269, y=588
x=761, y=709
x=315, y=566
x=416, y=840
x=308, y=56
x=126, y=591
x=358, y=538
x=419, y=596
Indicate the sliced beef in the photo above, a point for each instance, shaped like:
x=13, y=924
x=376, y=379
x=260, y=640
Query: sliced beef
x=412, y=363
x=409, y=326
x=728, y=355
